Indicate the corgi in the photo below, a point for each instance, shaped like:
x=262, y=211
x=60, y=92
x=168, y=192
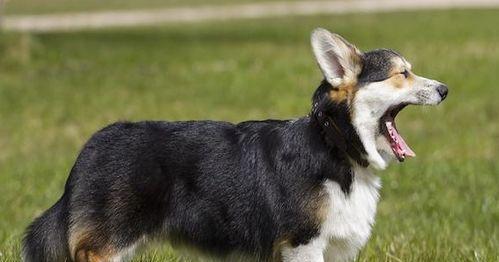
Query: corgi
x=273, y=190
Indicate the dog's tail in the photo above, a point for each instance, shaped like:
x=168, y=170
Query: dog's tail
x=45, y=238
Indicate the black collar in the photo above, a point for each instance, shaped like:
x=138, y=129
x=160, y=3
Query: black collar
x=336, y=138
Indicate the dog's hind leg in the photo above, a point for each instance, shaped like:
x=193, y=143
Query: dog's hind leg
x=107, y=255
x=90, y=245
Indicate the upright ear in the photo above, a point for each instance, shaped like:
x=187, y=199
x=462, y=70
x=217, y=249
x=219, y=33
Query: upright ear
x=340, y=61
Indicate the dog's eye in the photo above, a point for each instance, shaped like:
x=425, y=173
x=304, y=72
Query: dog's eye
x=405, y=73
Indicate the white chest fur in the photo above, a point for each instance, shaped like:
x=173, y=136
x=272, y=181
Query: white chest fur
x=348, y=222
x=350, y=216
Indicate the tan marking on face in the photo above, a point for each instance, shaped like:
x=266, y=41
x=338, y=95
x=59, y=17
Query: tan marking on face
x=343, y=93
x=397, y=79
x=398, y=65
x=410, y=79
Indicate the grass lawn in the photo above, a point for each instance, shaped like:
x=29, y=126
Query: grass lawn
x=57, y=89
x=57, y=6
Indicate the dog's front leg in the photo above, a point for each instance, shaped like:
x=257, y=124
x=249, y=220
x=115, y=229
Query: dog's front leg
x=339, y=251
x=310, y=252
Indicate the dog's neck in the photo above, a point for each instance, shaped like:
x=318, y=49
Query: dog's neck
x=333, y=119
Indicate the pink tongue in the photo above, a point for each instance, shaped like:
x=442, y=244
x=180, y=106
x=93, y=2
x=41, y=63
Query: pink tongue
x=399, y=146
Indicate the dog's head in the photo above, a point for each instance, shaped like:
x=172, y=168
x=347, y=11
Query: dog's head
x=374, y=86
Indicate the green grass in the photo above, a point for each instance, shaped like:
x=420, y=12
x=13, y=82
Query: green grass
x=57, y=6
x=57, y=89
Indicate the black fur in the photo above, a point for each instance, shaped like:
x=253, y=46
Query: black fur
x=219, y=186
x=46, y=238
x=376, y=65
x=334, y=121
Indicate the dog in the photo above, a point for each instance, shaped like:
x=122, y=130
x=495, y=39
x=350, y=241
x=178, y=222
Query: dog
x=272, y=190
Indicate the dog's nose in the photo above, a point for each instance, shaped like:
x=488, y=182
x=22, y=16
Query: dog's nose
x=442, y=91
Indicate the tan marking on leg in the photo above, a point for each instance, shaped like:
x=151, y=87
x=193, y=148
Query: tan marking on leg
x=277, y=248
x=77, y=236
x=319, y=206
x=96, y=257
x=83, y=255
x=86, y=246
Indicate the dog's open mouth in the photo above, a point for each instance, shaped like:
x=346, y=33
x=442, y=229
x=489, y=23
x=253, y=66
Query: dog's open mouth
x=389, y=130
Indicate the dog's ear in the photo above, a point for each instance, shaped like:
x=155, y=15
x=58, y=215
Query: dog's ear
x=340, y=61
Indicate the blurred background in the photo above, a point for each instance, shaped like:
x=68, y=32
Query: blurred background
x=68, y=68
